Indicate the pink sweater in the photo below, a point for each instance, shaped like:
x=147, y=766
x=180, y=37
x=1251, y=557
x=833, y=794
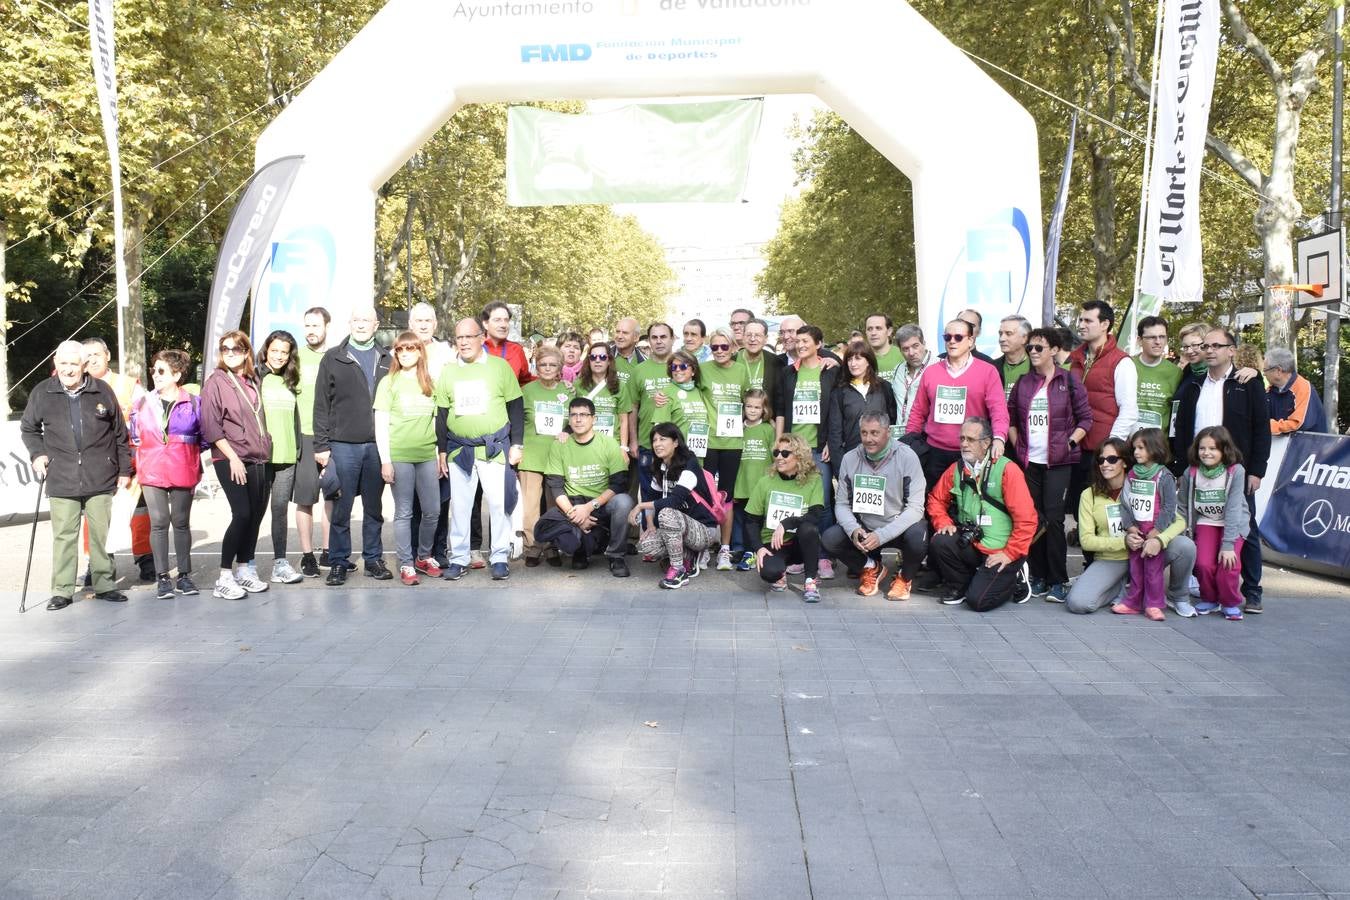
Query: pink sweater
x=984, y=397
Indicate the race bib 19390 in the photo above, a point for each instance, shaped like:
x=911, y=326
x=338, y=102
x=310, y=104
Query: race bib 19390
x=950, y=405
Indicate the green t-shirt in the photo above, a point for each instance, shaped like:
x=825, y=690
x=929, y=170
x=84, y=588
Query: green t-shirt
x=625, y=370
x=412, y=417
x=608, y=407
x=888, y=362
x=309, y=374
x=648, y=379
x=585, y=468
x=279, y=406
x=475, y=395
x=775, y=498
x=756, y=444
x=1157, y=384
x=545, y=416
x=754, y=371
x=1012, y=372
x=726, y=389
x=688, y=408
x=807, y=402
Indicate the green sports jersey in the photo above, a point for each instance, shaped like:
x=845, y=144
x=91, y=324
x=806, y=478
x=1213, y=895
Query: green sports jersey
x=585, y=468
x=279, y=406
x=756, y=444
x=545, y=416
x=687, y=407
x=648, y=379
x=475, y=396
x=412, y=417
x=625, y=369
x=1157, y=384
x=608, y=407
x=725, y=388
x=309, y=374
x=888, y=362
x=754, y=370
x=1012, y=372
x=775, y=498
x=807, y=405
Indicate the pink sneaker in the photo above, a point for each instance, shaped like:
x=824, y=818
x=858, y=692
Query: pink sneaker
x=826, y=569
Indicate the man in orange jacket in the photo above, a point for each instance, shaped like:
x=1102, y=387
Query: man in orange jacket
x=983, y=524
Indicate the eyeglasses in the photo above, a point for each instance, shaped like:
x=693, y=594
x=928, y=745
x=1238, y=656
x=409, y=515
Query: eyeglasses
x=599, y=357
x=547, y=364
x=953, y=338
x=232, y=348
x=679, y=366
x=1037, y=348
x=782, y=454
x=1154, y=337
x=741, y=322
x=973, y=440
x=1214, y=346
x=719, y=348
x=469, y=337
x=580, y=414
x=1107, y=460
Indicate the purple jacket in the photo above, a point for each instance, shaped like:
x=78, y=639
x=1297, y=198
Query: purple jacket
x=1069, y=409
x=171, y=456
x=227, y=415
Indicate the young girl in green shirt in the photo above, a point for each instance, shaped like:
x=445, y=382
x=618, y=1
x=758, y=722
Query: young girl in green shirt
x=754, y=464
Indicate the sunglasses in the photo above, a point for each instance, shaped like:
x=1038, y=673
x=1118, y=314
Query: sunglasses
x=413, y=347
x=599, y=357
x=1108, y=460
x=782, y=454
x=231, y=348
x=1037, y=348
x=953, y=338
x=679, y=367
x=719, y=348
x=160, y=370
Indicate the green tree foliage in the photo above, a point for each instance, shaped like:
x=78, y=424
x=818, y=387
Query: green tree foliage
x=845, y=246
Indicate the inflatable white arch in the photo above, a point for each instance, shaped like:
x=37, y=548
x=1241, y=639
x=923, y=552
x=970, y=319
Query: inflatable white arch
x=969, y=149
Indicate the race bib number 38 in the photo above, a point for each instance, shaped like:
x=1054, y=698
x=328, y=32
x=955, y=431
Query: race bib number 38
x=548, y=418
x=869, y=494
x=950, y=408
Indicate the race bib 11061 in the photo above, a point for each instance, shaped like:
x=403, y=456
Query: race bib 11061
x=1038, y=418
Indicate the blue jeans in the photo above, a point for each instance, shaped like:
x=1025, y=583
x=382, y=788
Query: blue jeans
x=358, y=470
x=826, y=520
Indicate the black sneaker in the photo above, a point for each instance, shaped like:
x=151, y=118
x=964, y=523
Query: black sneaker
x=309, y=567
x=580, y=561
x=146, y=564
x=952, y=596
x=323, y=557
x=1252, y=606
x=378, y=570
x=618, y=567
x=337, y=576
x=185, y=586
x=163, y=588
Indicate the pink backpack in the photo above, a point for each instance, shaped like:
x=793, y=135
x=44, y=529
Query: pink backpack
x=721, y=506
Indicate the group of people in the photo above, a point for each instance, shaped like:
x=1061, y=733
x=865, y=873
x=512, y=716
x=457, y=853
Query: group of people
x=717, y=451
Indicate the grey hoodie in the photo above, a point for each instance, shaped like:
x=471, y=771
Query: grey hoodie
x=905, y=491
x=1235, y=519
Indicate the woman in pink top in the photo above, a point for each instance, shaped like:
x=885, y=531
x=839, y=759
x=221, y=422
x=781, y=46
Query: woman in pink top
x=951, y=391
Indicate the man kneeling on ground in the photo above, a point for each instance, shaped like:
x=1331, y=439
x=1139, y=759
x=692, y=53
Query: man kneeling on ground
x=879, y=504
x=588, y=474
x=983, y=521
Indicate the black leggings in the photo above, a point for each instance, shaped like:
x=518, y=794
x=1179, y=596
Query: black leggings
x=169, y=508
x=804, y=548
x=725, y=464
x=248, y=504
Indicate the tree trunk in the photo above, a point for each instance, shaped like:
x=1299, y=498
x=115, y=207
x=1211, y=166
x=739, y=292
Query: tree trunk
x=4, y=326
x=133, y=317
x=1104, y=250
x=1274, y=223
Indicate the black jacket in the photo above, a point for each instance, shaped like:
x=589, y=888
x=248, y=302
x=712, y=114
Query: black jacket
x=773, y=364
x=787, y=388
x=1245, y=415
x=83, y=437
x=847, y=407
x=344, y=400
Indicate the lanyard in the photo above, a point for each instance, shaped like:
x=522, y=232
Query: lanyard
x=254, y=407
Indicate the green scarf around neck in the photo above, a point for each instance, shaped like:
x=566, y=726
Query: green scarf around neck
x=1211, y=471
x=1147, y=471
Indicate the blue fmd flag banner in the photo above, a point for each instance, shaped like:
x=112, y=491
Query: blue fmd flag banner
x=1308, y=514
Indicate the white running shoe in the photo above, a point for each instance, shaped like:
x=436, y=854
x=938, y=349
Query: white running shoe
x=724, y=559
x=247, y=578
x=704, y=559
x=282, y=573
x=227, y=588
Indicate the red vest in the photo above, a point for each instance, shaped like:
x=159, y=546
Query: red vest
x=1100, y=380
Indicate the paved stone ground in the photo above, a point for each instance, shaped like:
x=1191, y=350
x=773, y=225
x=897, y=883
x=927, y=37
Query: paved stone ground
x=568, y=736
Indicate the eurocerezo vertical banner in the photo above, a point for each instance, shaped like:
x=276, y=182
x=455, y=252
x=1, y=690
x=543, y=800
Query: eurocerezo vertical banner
x=105, y=80
x=1173, y=268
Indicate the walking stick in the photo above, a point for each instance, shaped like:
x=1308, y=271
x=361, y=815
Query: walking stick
x=32, y=541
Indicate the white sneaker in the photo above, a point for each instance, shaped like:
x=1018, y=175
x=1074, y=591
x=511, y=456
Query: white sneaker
x=247, y=578
x=1184, y=609
x=704, y=558
x=227, y=588
x=1193, y=587
x=724, y=559
x=282, y=573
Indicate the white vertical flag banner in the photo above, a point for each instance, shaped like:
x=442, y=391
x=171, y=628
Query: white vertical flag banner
x=1173, y=268
x=105, y=78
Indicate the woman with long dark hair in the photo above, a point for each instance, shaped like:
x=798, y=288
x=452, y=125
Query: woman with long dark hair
x=599, y=383
x=861, y=390
x=279, y=363
x=683, y=509
x=233, y=424
x=166, y=433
